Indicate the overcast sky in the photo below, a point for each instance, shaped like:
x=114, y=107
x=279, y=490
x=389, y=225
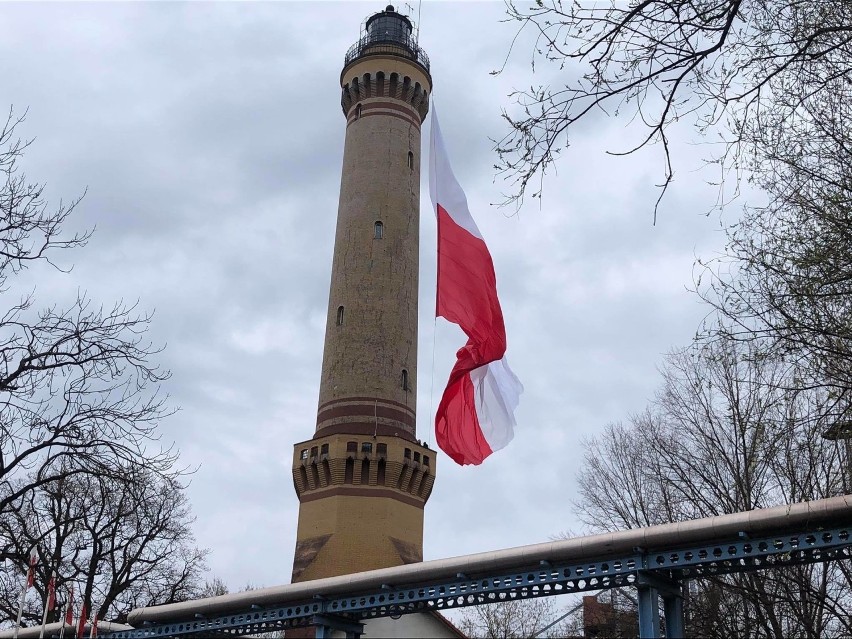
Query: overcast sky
x=209, y=138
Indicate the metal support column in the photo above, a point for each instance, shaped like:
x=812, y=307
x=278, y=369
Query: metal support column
x=326, y=624
x=649, y=612
x=651, y=586
x=673, y=611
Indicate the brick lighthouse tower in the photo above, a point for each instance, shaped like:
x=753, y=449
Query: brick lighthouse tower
x=363, y=479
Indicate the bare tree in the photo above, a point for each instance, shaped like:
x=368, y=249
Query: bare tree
x=83, y=477
x=122, y=542
x=727, y=432
x=729, y=62
x=786, y=277
x=515, y=619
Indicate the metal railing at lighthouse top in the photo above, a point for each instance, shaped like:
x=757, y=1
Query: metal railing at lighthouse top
x=388, y=33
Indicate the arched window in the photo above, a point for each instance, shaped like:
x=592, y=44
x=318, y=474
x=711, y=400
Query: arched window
x=378, y=230
x=357, y=111
x=405, y=380
x=410, y=160
x=349, y=471
x=340, y=316
x=380, y=475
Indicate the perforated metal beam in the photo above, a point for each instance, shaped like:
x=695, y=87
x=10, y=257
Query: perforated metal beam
x=674, y=565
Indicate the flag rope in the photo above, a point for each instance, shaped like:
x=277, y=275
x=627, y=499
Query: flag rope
x=433, y=171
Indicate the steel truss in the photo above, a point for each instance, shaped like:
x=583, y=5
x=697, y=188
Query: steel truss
x=655, y=574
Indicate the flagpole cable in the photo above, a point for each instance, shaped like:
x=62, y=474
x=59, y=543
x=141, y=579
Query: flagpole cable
x=433, y=166
x=432, y=382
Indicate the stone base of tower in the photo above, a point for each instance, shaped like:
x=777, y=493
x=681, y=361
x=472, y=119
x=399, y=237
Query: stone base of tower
x=346, y=533
x=361, y=503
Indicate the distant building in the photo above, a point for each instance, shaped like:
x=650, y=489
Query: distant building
x=363, y=479
x=609, y=617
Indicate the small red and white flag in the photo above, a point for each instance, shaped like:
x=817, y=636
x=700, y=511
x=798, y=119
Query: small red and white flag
x=51, y=592
x=69, y=609
x=49, y=602
x=27, y=585
x=81, y=623
x=476, y=415
x=31, y=569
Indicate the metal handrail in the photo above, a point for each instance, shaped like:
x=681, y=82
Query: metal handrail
x=403, y=46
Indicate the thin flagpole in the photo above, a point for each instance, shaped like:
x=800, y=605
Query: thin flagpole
x=30, y=569
x=46, y=603
x=68, y=607
x=20, y=609
x=433, y=170
x=432, y=383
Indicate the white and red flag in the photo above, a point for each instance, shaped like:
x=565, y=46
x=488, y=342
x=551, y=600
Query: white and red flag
x=69, y=609
x=84, y=617
x=51, y=592
x=32, y=567
x=476, y=414
x=49, y=602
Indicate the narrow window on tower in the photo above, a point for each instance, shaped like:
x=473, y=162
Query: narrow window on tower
x=405, y=380
x=303, y=454
x=340, y=316
x=378, y=230
x=410, y=160
x=357, y=111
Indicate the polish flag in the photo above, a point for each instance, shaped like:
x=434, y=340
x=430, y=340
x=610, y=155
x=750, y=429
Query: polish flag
x=69, y=610
x=31, y=570
x=51, y=592
x=49, y=603
x=476, y=413
x=81, y=623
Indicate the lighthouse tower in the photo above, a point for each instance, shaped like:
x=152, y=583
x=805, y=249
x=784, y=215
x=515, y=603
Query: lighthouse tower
x=364, y=479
